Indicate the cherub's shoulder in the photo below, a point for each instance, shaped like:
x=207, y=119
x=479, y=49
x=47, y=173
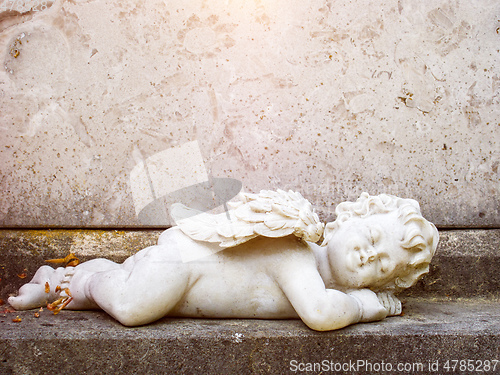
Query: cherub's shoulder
x=175, y=237
x=173, y=233
x=283, y=253
x=274, y=250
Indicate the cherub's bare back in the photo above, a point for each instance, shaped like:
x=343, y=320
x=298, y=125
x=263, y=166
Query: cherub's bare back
x=237, y=282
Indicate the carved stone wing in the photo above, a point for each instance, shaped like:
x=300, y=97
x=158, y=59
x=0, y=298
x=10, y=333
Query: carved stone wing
x=269, y=214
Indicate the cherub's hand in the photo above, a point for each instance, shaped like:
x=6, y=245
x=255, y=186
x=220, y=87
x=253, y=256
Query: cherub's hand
x=371, y=306
x=391, y=303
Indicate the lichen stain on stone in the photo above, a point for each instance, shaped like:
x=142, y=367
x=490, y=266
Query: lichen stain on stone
x=86, y=243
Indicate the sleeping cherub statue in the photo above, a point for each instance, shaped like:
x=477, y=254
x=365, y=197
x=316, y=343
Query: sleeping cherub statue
x=257, y=260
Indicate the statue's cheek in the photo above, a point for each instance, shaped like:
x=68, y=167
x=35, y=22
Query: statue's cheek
x=353, y=262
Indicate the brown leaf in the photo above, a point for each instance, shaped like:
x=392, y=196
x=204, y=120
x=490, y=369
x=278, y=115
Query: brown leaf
x=53, y=306
x=73, y=263
x=60, y=304
x=67, y=259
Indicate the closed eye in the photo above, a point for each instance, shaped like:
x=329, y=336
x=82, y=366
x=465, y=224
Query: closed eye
x=375, y=235
x=385, y=265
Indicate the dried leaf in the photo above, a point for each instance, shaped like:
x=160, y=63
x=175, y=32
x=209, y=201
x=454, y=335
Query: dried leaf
x=17, y=319
x=47, y=287
x=60, y=303
x=75, y=262
x=52, y=306
x=22, y=275
x=67, y=259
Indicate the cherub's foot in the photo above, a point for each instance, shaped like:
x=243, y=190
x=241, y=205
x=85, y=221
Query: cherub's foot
x=40, y=290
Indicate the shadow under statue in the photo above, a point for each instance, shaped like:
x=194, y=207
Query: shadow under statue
x=258, y=260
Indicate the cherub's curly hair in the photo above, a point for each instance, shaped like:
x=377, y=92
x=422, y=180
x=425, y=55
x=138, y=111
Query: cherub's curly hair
x=420, y=236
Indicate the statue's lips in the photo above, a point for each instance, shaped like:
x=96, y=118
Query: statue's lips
x=204, y=196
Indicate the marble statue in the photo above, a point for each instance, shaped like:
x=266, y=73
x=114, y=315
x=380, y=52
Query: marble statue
x=257, y=260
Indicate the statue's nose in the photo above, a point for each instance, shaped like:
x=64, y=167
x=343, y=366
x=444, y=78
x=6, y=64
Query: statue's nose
x=368, y=255
x=371, y=253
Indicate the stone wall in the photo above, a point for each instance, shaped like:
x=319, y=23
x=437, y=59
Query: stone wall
x=108, y=106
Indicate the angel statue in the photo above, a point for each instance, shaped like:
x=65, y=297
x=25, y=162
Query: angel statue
x=258, y=260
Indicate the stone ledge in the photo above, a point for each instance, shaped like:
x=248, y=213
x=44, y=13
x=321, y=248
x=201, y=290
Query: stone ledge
x=475, y=253
x=91, y=342
x=466, y=265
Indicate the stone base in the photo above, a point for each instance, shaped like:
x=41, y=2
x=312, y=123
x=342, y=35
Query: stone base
x=430, y=335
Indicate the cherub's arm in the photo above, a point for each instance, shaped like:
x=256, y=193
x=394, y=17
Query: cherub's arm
x=326, y=309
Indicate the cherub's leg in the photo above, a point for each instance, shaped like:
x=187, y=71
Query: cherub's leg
x=42, y=289
x=34, y=293
x=141, y=290
x=142, y=294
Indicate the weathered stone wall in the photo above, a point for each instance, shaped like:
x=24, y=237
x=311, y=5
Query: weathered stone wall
x=328, y=98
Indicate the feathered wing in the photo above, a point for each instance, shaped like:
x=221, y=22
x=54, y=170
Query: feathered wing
x=268, y=214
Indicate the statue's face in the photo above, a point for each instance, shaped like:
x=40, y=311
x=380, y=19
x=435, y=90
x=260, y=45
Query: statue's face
x=367, y=252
